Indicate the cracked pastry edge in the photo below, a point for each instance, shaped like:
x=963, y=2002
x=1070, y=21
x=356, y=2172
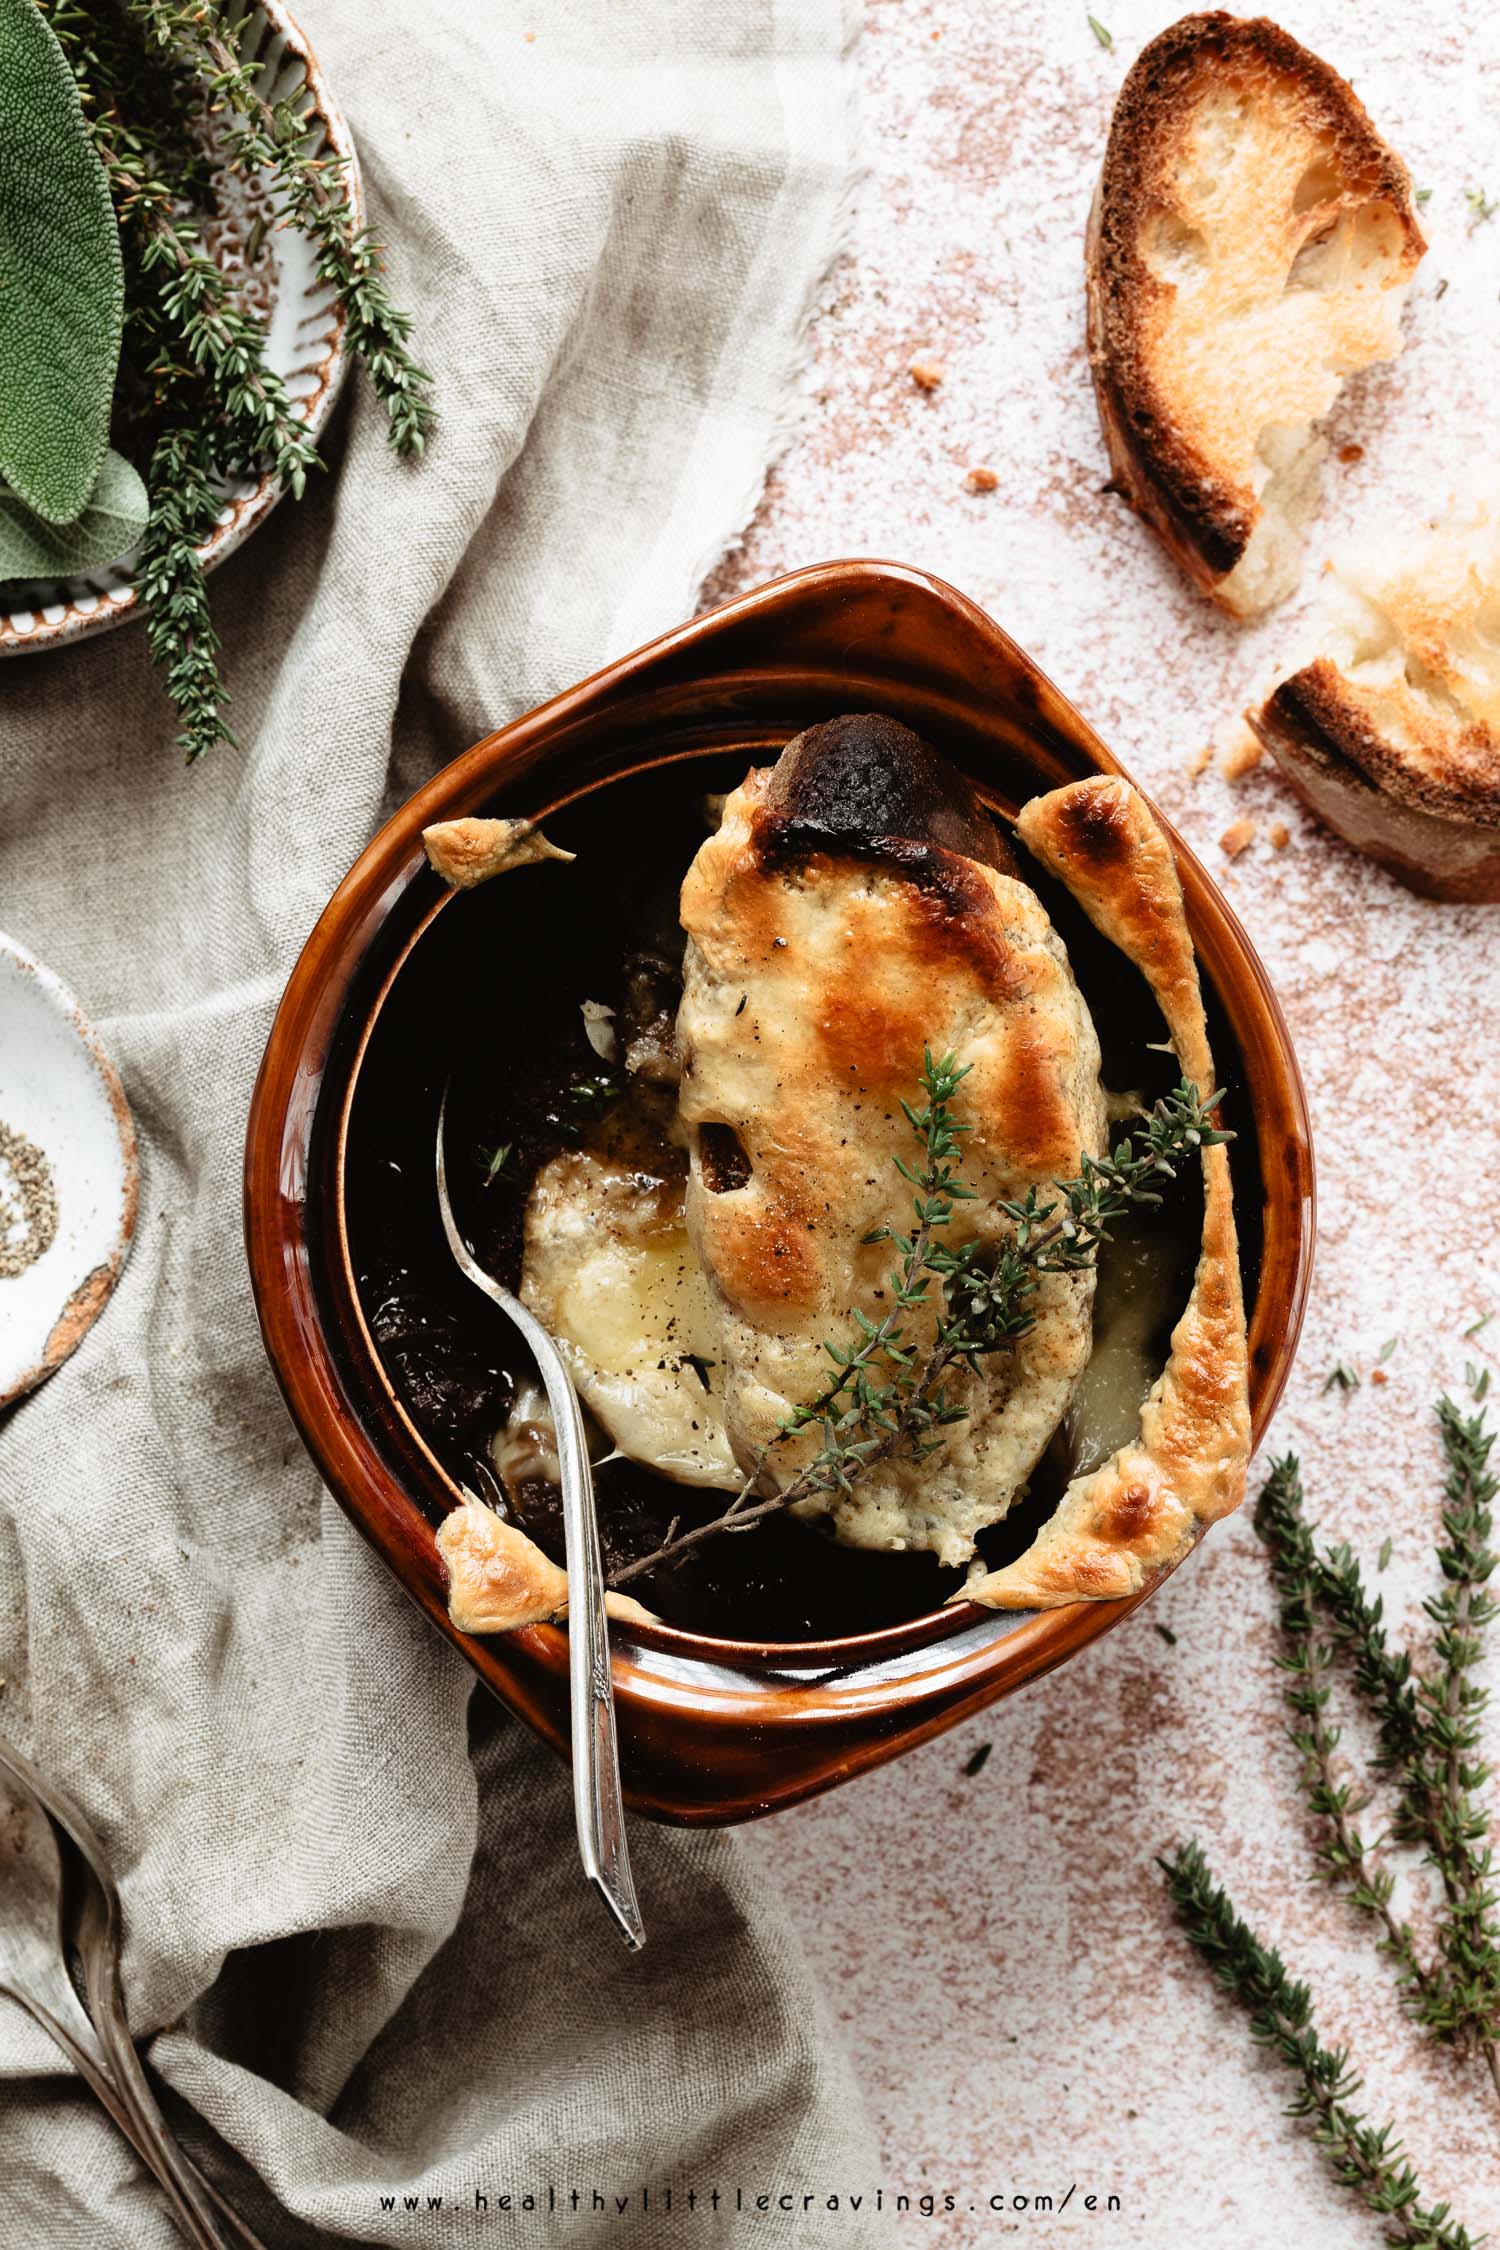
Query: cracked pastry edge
x=499, y=1579
x=1126, y=1522
x=468, y=852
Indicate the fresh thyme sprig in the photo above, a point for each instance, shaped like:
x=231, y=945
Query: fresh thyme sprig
x=1455, y=1827
x=1428, y=1730
x=171, y=101
x=272, y=137
x=179, y=624
x=892, y=1394
x=1309, y=1656
x=1363, y=2157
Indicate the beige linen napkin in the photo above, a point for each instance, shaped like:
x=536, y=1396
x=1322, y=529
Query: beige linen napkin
x=356, y=1927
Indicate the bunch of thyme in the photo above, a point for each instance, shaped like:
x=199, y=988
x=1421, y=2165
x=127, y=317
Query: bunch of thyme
x=894, y=1395
x=1363, y=2157
x=1428, y=1749
x=271, y=137
x=171, y=101
x=1428, y=1731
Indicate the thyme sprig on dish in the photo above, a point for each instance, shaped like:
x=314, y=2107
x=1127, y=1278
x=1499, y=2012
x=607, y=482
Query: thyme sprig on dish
x=1428, y=1730
x=171, y=102
x=272, y=137
x=894, y=1394
x=1363, y=2157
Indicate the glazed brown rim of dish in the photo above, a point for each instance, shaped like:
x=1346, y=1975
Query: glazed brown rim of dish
x=306, y=1030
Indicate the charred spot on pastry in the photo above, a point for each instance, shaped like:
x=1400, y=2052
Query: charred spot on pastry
x=859, y=784
x=1130, y=1515
x=1097, y=826
x=722, y=1159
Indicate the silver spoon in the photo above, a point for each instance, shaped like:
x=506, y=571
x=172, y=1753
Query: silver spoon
x=598, y=1805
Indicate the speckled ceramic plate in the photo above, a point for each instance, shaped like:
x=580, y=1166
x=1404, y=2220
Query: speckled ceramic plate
x=68, y=1173
x=305, y=344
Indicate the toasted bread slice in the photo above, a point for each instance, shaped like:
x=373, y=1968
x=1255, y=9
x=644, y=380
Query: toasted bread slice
x=1392, y=732
x=1251, y=242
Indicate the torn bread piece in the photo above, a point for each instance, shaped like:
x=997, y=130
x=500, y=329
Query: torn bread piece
x=1391, y=733
x=499, y=1579
x=468, y=852
x=1251, y=244
x=1120, y=1526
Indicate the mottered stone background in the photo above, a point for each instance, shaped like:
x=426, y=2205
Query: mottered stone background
x=1019, y=2004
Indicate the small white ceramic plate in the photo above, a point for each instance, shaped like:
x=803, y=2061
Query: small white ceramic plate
x=276, y=272
x=60, y=1100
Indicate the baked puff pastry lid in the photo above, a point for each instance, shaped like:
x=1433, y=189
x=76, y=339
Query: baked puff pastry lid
x=857, y=906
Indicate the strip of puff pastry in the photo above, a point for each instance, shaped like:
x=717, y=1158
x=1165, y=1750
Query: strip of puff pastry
x=1138, y=1513
x=498, y=1578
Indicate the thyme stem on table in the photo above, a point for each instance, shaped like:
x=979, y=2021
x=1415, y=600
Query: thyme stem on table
x=892, y=1395
x=1428, y=1725
x=1361, y=2156
x=1309, y=1656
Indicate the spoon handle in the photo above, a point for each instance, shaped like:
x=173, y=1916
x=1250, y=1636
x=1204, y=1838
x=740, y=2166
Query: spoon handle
x=598, y=1801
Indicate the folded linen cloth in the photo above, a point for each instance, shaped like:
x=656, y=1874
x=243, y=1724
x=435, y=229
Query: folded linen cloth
x=356, y=1926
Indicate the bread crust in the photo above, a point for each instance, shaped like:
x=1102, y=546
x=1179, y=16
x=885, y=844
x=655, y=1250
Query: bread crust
x=1435, y=824
x=1204, y=513
x=1123, y=1524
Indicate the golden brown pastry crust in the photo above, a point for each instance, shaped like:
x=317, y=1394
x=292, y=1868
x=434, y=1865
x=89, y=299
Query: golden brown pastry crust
x=499, y=1579
x=1120, y=1526
x=821, y=958
x=468, y=852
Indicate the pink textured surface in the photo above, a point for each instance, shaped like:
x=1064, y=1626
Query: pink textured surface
x=1020, y=2007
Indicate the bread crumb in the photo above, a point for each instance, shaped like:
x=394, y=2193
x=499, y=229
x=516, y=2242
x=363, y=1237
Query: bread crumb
x=981, y=480
x=1201, y=760
x=1281, y=835
x=1240, y=757
x=1236, y=836
x=927, y=374
x=1351, y=453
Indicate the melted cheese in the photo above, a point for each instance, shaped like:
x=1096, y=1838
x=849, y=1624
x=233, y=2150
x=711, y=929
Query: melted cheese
x=610, y=1272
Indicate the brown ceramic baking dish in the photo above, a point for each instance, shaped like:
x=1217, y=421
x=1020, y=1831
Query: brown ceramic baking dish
x=715, y=1730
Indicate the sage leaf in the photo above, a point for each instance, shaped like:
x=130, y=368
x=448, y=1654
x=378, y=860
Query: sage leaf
x=107, y=528
x=62, y=282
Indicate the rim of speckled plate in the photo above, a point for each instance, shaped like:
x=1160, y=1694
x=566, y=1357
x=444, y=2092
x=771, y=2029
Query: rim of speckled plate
x=74, y=1316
